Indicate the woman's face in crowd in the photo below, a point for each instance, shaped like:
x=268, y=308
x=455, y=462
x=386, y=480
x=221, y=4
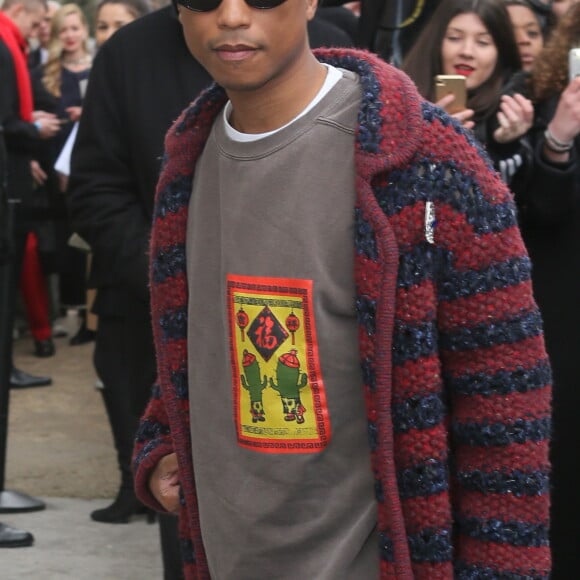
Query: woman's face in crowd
x=110, y=18
x=560, y=7
x=72, y=34
x=528, y=34
x=468, y=49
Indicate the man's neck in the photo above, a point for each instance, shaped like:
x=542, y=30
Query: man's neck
x=277, y=103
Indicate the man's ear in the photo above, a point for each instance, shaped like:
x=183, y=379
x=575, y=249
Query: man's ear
x=311, y=7
x=15, y=10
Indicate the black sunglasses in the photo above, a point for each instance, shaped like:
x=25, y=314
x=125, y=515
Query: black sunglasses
x=209, y=5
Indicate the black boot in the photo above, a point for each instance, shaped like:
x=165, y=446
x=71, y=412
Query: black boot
x=125, y=506
x=123, y=426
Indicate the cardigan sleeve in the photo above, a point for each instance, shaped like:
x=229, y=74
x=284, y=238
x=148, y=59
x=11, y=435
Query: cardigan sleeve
x=152, y=442
x=498, y=382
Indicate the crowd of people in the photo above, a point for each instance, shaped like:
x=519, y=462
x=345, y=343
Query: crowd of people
x=466, y=230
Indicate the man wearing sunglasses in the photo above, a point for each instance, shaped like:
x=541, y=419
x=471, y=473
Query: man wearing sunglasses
x=316, y=402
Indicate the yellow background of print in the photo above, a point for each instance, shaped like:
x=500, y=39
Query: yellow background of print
x=274, y=426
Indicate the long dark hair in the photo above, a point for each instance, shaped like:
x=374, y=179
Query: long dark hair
x=424, y=59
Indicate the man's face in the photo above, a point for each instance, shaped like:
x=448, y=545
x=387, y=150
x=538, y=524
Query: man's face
x=44, y=29
x=245, y=48
x=28, y=21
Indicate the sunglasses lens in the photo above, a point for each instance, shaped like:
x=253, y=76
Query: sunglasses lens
x=199, y=5
x=264, y=4
x=209, y=5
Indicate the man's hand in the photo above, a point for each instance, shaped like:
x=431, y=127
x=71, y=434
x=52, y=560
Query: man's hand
x=38, y=174
x=164, y=483
x=515, y=118
x=48, y=125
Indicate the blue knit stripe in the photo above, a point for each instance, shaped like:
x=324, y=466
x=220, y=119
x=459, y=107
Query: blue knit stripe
x=145, y=451
x=502, y=434
x=151, y=430
x=366, y=313
x=386, y=549
x=186, y=549
x=365, y=242
x=418, y=412
x=464, y=571
x=413, y=341
x=180, y=383
x=156, y=391
x=174, y=197
x=492, y=333
x=503, y=382
x=417, y=264
x=370, y=121
x=373, y=435
x=518, y=483
x=174, y=324
x=431, y=546
x=168, y=263
x=423, y=480
x=470, y=283
x=444, y=182
x=514, y=533
x=368, y=373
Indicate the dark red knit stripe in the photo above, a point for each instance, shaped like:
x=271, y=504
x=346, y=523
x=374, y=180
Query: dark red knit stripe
x=436, y=571
x=502, y=556
x=483, y=250
x=504, y=458
x=480, y=409
x=498, y=304
x=417, y=377
x=529, y=509
x=415, y=447
x=408, y=224
x=421, y=302
x=166, y=227
x=367, y=283
x=427, y=512
x=526, y=353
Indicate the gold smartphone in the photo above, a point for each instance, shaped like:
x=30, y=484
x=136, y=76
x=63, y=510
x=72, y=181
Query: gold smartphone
x=454, y=84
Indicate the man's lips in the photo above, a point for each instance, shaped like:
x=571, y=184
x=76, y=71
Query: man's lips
x=235, y=52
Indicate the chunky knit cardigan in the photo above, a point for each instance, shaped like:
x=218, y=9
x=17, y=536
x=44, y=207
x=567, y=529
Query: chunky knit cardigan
x=456, y=377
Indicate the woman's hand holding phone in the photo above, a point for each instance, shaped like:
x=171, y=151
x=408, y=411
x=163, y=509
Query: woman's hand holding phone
x=464, y=116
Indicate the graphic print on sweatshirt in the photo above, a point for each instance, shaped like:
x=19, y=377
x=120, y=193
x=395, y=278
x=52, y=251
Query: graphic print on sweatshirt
x=279, y=397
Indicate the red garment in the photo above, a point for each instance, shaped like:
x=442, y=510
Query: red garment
x=16, y=43
x=34, y=291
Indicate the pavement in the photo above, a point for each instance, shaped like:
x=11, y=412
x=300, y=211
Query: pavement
x=60, y=451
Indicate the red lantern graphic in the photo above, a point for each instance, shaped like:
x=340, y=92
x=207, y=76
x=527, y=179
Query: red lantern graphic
x=292, y=324
x=242, y=320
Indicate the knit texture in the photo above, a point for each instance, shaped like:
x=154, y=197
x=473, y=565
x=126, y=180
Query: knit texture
x=456, y=377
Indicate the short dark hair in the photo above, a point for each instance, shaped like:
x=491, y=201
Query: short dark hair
x=136, y=8
x=424, y=59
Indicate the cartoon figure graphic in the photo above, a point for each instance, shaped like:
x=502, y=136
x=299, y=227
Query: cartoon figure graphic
x=290, y=381
x=251, y=382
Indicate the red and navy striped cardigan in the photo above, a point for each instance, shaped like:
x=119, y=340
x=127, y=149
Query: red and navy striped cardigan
x=456, y=377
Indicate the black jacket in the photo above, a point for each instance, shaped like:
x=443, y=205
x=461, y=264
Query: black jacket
x=21, y=136
x=141, y=79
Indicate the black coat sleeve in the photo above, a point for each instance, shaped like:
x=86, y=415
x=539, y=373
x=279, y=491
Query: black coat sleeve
x=20, y=136
x=104, y=201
